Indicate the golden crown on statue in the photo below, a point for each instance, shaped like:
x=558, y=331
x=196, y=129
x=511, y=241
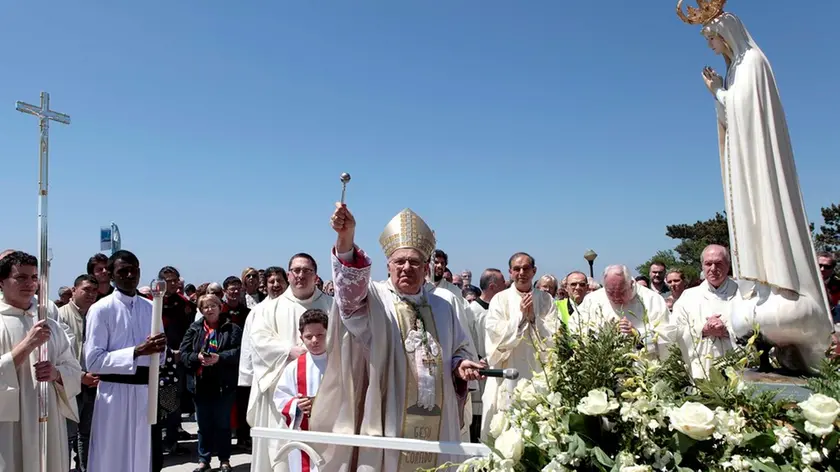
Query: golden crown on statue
x=407, y=230
x=706, y=11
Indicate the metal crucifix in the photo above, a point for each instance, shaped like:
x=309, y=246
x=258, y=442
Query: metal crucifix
x=44, y=115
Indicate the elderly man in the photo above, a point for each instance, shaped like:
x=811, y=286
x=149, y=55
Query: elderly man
x=577, y=286
x=405, y=361
x=638, y=310
x=701, y=314
x=520, y=322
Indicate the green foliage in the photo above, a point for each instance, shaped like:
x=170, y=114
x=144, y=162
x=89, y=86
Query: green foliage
x=828, y=382
x=828, y=238
x=693, y=239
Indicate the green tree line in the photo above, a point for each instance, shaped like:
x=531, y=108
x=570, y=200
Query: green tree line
x=693, y=237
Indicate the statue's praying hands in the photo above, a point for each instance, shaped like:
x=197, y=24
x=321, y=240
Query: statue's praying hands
x=712, y=80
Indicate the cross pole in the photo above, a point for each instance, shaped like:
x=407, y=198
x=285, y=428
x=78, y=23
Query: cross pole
x=44, y=115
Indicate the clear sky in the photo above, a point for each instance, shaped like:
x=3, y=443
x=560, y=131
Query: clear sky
x=213, y=133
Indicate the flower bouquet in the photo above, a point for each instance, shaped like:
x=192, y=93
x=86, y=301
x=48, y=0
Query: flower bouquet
x=601, y=404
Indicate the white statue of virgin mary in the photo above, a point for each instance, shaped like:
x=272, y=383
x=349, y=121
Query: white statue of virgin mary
x=773, y=257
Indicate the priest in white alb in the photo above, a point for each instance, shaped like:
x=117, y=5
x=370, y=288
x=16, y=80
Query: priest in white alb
x=300, y=381
x=274, y=344
x=20, y=373
x=702, y=314
x=520, y=323
x=400, y=362
x=638, y=310
x=117, y=349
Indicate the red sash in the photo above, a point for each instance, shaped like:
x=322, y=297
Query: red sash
x=304, y=422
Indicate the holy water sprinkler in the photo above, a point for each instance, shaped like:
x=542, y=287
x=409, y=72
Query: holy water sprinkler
x=345, y=177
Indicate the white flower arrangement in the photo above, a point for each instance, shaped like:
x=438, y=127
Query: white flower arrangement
x=600, y=405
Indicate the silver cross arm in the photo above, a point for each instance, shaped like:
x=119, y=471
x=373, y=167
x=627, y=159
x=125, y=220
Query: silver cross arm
x=43, y=111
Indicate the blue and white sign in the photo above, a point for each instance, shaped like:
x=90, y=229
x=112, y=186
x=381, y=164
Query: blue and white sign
x=109, y=238
x=105, y=242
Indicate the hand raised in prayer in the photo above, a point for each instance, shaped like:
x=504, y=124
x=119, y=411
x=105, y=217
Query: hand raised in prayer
x=343, y=223
x=297, y=351
x=526, y=306
x=38, y=335
x=715, y=328
x=305, y=404
x=151, y=345
x=90, y=380
x=45, y=372
x=712, y=80
x=626, y=326
x=468, y=370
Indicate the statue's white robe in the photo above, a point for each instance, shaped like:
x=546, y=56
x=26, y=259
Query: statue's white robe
x=510, y=343
x=773, y=257
x=691, y=311
x=273, y=334
x=19, y=446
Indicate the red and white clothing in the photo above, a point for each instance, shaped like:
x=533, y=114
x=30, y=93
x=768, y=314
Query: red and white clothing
x=300, y=377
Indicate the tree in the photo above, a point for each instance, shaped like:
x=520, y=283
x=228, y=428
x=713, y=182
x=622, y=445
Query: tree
x=693, y=239
x=828, y=239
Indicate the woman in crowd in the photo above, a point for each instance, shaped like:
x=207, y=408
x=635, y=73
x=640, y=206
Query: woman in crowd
x=210, y=351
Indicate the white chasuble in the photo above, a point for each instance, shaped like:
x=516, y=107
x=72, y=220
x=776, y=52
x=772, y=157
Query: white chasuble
x=451, y=293
x=301, y=378
x=513, y=342
x=273, y=334
x=382, y=375
x=120, y=433
x=773, y=257
x=691, y=310
x=19, y=444
x=647, y=311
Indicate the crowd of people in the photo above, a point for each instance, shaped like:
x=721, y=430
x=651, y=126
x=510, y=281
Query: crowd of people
x=252, y=350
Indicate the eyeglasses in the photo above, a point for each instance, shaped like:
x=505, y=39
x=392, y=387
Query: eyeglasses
x=412, y=263
x=301, y=270
x=827, y=266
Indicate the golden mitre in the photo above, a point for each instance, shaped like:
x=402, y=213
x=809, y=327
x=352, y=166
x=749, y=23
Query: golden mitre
x=706, y=11
x=407, y=230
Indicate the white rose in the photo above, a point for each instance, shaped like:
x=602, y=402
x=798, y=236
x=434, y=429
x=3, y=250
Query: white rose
x=694, y=420
x=597, y=403
x=528, y=395
x=498, y=424
x=820, y=414
x=510, y=445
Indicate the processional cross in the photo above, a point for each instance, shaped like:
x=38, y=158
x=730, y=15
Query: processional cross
x=44, y=115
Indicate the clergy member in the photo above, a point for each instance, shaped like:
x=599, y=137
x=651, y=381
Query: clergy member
x=639, y=311
x=491, y=283
x=73, y=314
x=702, y=313
x=520, y=322
x=20, y=371
x=299, y=383
x=274, y=344
x=117, y=349
x=404, y=361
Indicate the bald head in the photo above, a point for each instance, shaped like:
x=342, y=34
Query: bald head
x=618, y=283
x=716, y=264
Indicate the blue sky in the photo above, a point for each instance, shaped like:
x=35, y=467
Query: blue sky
x=214, y=132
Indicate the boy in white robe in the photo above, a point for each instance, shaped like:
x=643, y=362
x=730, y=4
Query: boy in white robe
x=299, y=383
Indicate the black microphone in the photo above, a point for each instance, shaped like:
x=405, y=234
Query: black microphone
x=511, y=374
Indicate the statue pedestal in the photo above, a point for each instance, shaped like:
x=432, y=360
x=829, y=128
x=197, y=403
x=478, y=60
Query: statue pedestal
x=789, y=388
